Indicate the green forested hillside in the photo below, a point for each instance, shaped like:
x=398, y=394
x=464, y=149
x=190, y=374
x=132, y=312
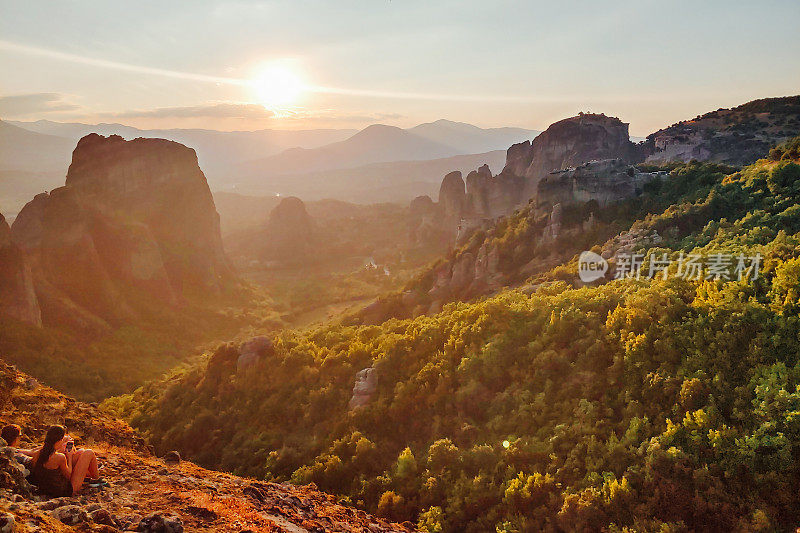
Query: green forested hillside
x=635, y=405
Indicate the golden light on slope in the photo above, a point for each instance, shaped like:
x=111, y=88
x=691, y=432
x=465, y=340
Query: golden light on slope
x=276, y=85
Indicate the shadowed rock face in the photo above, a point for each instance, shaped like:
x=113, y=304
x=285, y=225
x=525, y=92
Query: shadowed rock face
x=569, y=143
x=605, y=182
x=159, y=184
x=17, y=296
x=288, y=237
x=135, y=224
x=452, y=194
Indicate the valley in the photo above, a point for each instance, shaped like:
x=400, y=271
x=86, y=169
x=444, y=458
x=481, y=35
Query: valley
x=435, y=363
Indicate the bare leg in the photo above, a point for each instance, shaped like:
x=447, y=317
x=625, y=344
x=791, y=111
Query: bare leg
x=85, y=464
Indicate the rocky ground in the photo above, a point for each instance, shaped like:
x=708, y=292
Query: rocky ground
x=146, y=493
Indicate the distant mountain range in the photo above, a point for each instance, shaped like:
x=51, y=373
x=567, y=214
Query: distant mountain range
x=385, y=163
x=216, y=150
x=24, y=149
x=380, y=143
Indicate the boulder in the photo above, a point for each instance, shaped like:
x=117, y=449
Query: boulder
x=159, y=523
x=102, y=516
x=251, y=352
x=13, y=474
x=172, y=457
x=71, y=515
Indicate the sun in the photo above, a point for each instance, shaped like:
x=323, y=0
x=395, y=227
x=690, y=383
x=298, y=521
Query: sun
x=276, y=85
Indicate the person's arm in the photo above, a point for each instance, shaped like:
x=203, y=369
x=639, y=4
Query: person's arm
x=29, y=453
x=65, y=464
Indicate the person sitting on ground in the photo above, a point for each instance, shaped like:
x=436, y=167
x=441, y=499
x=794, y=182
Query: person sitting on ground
x=59, y=470
x=12, y=434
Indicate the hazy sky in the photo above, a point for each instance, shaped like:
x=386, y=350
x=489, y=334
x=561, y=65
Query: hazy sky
x=402, y=62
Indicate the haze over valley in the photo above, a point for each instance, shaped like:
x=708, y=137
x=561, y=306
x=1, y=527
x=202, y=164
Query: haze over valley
x=252, y=281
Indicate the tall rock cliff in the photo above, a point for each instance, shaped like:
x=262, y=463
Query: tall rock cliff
x=159, y=184
x=569, y=143
x=452, y=195
x=17, y=296
x=135, y=225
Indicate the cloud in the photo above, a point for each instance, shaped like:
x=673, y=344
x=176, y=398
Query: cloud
x=217, y=110
x=27, y=104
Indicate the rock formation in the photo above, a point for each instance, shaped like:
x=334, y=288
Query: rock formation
x=604, y=182
x=426, y=225
x=135, y=223
x=289, y=236
x=553, y=228
x=490, y=197
x=17, y=295
x=452, y=195
x=252, y=351
x=157, y=183
x=569, y=143
x=364, y=388
x=736, y=136
x=576, y=165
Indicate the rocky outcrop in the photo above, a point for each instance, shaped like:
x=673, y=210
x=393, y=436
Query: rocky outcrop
x=426, y=224
x=569, y=143
x=553, y=228
x=289, y=236
x=17, y=295
x=364, y=388
x=145, y=493
x=604, y=182
x=253, y=351
x=159, y=184
x=452, y=195
x=422, y=206
x=736, y=136
x=489, y=197
x=566, y=144
x=135, y=225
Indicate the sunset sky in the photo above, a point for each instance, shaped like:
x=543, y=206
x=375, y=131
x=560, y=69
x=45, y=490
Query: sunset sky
x=345, y=64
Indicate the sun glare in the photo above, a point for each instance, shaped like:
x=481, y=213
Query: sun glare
x=277, y=85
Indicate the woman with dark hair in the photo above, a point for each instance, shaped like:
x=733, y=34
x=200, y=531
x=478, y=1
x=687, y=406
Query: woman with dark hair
x=57, y=469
